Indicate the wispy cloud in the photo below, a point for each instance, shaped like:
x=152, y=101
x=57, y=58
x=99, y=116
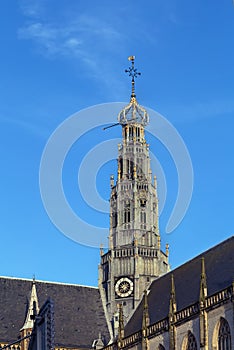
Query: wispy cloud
x=77, y=36
x=84, y=39
x=51, y=39
x=31, y=8
x=95, y=38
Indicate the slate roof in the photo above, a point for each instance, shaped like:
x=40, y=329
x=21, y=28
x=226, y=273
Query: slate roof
x=78, y=311
x=219, y=265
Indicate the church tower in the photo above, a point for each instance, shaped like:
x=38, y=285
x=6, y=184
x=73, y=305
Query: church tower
x=134, y=258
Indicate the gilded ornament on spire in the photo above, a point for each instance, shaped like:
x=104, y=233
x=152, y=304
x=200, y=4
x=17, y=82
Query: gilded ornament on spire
x=133, y=73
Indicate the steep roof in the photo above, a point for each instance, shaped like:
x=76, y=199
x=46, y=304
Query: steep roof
x=219, y=266
x=78, y=312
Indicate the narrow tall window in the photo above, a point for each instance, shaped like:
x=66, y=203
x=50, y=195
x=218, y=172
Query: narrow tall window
x=224, y=339
x=138, y=133
x=114, y=219
x=127, y=213
x=121, y=167
x=143, y=219
x=131, y=133
x=131, y=169
x=192, y=344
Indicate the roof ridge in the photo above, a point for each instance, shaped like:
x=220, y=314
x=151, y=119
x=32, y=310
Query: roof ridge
x=179, y=267
x=200, y=254
x=51, y=282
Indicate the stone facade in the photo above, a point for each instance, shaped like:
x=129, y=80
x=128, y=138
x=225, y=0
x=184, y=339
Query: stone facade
x=219, y=328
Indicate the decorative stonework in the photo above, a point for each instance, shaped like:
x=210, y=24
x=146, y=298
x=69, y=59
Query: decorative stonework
x=186, y=317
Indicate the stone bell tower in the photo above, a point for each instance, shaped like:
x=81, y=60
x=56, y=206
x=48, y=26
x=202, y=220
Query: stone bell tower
x=134, y=258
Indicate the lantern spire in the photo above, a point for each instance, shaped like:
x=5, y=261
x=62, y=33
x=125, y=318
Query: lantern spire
x=133, y=113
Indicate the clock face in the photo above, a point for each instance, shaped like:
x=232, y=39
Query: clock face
x=124, y=287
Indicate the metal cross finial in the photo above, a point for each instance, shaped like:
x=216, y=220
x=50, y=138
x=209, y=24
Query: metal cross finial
x=132, y=72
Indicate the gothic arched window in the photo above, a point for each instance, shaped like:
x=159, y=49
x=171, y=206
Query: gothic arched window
x=224, y=337
x=191, y=344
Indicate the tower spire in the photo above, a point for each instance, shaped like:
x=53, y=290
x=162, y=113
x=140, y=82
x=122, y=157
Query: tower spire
x=145, y=322
x=133, y=73
x=32, y=311
x=33, y=308
x=121, y=323
x=203, y=285
x=172, y=297
x=203, y=314
x=172, y=311
x=145, y=318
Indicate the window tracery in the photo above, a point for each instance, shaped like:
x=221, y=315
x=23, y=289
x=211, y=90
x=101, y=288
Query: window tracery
x=224, y=336
x=191, y=344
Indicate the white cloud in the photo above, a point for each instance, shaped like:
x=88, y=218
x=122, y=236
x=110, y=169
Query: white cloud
x=95, y=38
x=31, y=8
x=85, y=33
x=72, y=43
x=37, y=31
x=84, y=40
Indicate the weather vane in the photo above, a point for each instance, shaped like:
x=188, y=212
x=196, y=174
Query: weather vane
x=132, y=72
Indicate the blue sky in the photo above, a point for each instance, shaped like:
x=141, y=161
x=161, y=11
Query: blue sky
x=59, y=57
